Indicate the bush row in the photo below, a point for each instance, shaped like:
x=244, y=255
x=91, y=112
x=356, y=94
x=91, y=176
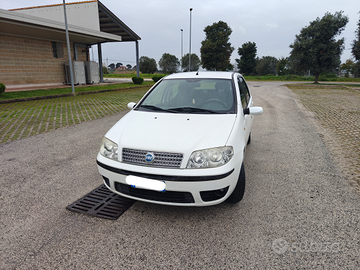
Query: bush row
x=137, y=80
x=323, y=78
x=156, y=78
x=2, y=88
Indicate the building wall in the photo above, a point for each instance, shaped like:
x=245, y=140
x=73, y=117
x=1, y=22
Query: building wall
x=31, y=61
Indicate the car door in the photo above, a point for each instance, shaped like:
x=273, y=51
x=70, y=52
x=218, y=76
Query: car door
x=246, y=101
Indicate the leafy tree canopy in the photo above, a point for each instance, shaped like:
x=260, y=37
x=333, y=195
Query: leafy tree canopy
x=216, y=48
x=147, y=65
x=315, y=48
x=282, y=66
x=169, y=63
x=355, y=50
x=195, y=62
x=111, y=66
x=105, y=70
x=247, y=62
x=266, y=66
x=348, y=67
x=118, y=65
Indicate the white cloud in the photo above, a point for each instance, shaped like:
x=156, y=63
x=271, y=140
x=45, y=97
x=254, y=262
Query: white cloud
x=272, y=25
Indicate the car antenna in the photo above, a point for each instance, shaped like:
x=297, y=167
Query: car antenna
x=197, y=73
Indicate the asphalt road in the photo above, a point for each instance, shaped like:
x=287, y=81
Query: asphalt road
x=298, y=211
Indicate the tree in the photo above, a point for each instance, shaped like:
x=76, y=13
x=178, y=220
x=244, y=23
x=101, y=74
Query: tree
x=315, y=48
x=195, y=62
x=128, y=66
x=355, y=50
x=347, y=67
x=105, y=70
x=282, y=67
x=111, y=66
x=147, y=65
x=247, y=62
x=118, y=65
x=266, y=66
x=169, y=63
x=216, y=48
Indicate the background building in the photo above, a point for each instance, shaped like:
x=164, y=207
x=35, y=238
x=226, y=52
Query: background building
x=33, y=48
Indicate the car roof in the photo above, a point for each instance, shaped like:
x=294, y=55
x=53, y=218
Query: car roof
x=201, y=74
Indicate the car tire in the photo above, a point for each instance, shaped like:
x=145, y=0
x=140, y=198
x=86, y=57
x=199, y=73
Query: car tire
x=249, y=139
x=238, y=193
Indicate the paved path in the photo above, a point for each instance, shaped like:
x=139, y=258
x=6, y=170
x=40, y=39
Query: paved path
x=298, y=210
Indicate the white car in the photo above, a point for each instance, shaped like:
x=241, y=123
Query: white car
x=183, y=143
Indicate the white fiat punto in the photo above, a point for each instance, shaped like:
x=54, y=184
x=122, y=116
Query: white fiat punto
x=183, y=143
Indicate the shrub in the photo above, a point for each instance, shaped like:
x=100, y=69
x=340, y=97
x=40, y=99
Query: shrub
x=327, y=77
x=2, y=88
x=137, y=80
x=156, y=78
x=105, y=70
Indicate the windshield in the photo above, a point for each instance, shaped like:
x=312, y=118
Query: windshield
x=191, y=96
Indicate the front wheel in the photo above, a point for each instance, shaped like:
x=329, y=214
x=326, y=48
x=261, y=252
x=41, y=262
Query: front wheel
x=239, y=190
x=249, y=139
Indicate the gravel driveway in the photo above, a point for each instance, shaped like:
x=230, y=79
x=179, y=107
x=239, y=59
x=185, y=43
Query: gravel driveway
x=298, y=210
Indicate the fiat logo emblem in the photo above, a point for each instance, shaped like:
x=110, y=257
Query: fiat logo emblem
x=149, y=157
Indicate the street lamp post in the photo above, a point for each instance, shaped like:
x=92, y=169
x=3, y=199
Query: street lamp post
x=190, y=43
x=181, y=45
x=69, y=52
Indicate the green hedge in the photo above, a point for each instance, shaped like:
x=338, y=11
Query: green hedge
x=137, y=80
x=156, y=78
x=2, y=88
x=322, y=78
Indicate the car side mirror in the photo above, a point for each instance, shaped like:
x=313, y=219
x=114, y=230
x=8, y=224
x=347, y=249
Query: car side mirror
x=253, y=111
x=131, y=105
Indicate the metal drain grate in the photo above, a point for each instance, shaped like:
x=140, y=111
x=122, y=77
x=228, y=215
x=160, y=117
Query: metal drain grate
x=103, y=203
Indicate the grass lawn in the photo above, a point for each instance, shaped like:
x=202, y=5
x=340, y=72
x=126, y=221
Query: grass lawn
x=68, y=91
x=27, y=118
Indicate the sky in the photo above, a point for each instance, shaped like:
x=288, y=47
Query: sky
x=271, y=24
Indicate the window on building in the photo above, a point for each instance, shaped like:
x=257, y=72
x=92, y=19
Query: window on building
x=58, y=50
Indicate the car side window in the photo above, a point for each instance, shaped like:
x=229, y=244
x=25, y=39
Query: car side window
x=247, y=92
x=244, y=92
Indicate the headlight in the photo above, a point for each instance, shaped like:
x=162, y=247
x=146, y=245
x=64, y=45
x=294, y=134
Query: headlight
x=109, y=149
x=209, y=158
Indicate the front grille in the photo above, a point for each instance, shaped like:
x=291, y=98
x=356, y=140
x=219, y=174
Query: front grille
x=161, y=159
x=167, y=196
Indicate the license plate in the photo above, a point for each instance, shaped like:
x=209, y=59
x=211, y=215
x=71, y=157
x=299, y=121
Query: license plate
x=144, y=183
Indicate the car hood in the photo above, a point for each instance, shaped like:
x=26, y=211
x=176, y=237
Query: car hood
x=169, y=132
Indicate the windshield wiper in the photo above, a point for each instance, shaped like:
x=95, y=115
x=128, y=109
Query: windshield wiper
x=154, y=108
x=192, y=110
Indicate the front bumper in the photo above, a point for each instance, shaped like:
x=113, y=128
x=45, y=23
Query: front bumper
x=182, y=189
